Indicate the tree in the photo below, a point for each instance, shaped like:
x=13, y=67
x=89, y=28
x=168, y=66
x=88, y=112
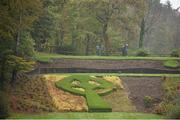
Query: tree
x=43, y=28
x=24, y=14
x=18, y=16
x=106, y=11
x=3, y=64
x=70, y=23
x=27, y=44
x=169, y=5
x=151, y=17
x=59, y=12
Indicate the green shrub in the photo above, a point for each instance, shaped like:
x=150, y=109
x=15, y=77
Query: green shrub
x=163, y=107
x=171, y=64
x=4, y=107
x=174, y=112
x=170, y=106
x=66, y=50
x=175, y=53
x=148, y=101
x=142, y=53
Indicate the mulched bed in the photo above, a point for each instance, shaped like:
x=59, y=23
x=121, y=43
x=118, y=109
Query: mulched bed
x=36, y=94
x=139, y=87
x=104, y=64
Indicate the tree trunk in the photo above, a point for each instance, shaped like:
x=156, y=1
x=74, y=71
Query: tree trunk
x=87, y=45
x=14, y=76
x=73, y=40
x=61, y=37
x=106, y=40
x=14, y=72
x=17, y=43
x=142, y=34
x=2, y=78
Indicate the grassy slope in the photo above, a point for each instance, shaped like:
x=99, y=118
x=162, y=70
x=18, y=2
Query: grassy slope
x=113, y=115
x=80, y=115
x=44, y=57
x=171, y=103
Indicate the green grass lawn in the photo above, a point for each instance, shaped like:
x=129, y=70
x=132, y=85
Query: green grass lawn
x=44, y=57
x=121, y=75
x=111, y=115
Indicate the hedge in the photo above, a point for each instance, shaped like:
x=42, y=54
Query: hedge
x=94, y=101
x=172, y=64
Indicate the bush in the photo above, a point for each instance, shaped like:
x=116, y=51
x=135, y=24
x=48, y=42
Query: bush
x=175, y=53
x=171, y=64
x=174, y=113
x=142, y=53
x=162, y=108
x=148, y=101
x=66, y=50
x=4, y=107
x=170, y=106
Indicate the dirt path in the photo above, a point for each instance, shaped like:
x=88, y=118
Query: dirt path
x=139, y=87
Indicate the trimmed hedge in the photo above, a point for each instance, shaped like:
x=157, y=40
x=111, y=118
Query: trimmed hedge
x=175, y=53
x=94, y=101
x=172, y=64
x=142, y=53
x=66, y=84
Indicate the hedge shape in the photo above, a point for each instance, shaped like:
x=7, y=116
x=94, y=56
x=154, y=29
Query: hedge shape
x=94, y=101
x=173, y=64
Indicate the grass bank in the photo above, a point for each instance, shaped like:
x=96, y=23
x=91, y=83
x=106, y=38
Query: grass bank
x=111, y=115
x=44, y=57
x=120, y=75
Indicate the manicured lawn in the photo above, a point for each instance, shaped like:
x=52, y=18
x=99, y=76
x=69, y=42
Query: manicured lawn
x=113, y=115
x=44, y=57
x=121, y=75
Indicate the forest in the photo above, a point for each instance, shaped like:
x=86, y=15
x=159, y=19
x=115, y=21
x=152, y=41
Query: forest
x=32, y=29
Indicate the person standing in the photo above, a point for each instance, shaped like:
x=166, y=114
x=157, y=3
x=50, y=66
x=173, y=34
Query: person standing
x=98, y=50
x=124, y=50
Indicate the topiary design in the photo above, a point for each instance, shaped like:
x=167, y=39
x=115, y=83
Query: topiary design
x=173, y=64
x=90, y=88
